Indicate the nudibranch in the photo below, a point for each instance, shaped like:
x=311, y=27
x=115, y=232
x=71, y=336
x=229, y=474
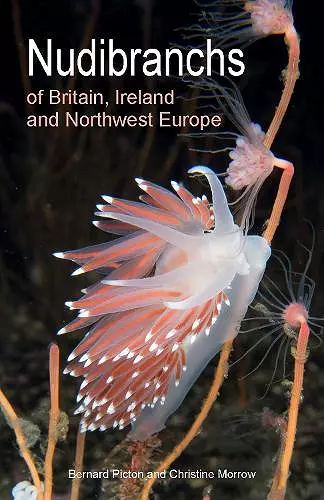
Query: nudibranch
x=177, y=283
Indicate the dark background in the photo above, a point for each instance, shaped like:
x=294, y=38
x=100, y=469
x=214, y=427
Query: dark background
x=50, y=181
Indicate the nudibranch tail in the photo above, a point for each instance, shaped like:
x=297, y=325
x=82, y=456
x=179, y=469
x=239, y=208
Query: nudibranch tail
x=166, y=282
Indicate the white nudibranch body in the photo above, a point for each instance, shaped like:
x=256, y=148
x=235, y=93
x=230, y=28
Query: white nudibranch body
x=181, y=280
x=235, y=265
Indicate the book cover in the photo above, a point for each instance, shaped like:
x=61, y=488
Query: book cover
x=167, y=155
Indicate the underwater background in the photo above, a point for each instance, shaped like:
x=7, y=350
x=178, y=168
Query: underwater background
x=50, y=182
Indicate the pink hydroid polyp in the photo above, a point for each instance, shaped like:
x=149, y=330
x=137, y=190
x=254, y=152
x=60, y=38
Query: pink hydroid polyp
x=294, y=314
x=250, y=159
x=270, y=17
